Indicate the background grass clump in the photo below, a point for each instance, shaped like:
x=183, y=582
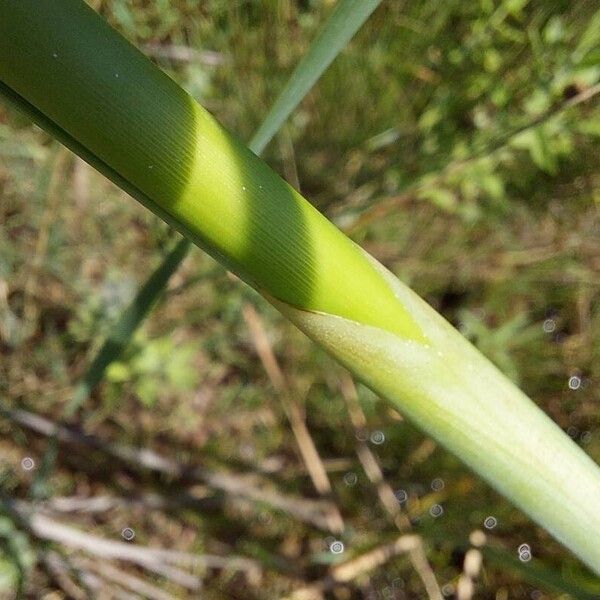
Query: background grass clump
x=458, y=143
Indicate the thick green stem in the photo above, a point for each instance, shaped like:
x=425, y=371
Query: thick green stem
x=78, y=78
x=66, y=62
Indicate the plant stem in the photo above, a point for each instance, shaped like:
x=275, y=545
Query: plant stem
x=78, y=78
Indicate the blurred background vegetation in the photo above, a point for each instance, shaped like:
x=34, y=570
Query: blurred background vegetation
x=458, y=143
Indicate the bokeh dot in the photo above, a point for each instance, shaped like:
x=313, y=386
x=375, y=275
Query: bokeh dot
x=549, y=326
x=524, y=552
x=28, y=464
x=437, y=484
x=401, y=495
x=377, y=437
x=350, y=478
x=336, y=547
x=490, y=522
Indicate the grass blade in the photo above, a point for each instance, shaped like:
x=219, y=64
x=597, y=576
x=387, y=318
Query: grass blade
x=128, y=322
x=536, y=573
x=346, y=19
x=344, y=22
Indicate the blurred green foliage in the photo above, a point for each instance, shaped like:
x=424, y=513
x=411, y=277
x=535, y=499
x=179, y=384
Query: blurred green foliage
x=16, y=556
x=155, y=367
x=470, y=115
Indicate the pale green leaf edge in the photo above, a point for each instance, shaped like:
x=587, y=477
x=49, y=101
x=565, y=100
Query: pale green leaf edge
x=451, y=391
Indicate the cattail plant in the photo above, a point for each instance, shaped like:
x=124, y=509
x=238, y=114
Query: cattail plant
x=62, y=65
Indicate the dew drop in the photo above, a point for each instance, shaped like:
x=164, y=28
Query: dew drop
x=128, y=534
x=361, y=436
x=28, y=464
x=574, y=382
x=524, y=551
x=525, y=556
x=436, y=511
x=336, y=547
x=437, y=484
x=549, y=326
x=490, y=522
x=401, y=495
x=350, y=479
x=377, y=438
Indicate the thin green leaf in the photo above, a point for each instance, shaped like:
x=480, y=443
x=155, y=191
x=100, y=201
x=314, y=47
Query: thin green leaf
x=339, y=29
x=128, y=322
x=590, y=38
x=535, y=573
x=346, y=19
